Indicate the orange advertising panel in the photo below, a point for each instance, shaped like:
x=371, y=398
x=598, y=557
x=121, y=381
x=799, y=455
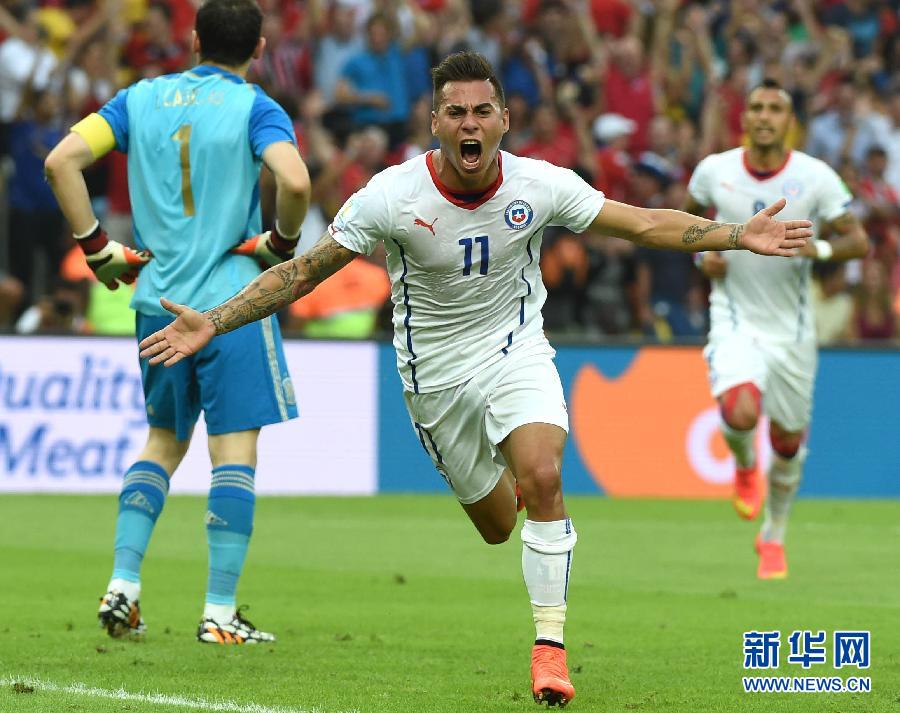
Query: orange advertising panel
x=652, y=431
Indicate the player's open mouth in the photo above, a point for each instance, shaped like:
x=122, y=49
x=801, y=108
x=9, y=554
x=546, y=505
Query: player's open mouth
x=470, y=153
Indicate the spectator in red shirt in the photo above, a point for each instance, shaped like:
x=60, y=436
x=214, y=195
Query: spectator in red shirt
x=365, y=155
x=630, y=90
x=882, y=205
x=612, y=163
x=152, y=49
x=552, y=139
x=873, y=315
x=286, y=65
x=874, y=188
x=731, y=97
x=346, y=171
x=611, y=17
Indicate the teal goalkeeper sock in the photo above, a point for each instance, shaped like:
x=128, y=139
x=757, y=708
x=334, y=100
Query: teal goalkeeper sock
x=144, y=490
x=229, y=524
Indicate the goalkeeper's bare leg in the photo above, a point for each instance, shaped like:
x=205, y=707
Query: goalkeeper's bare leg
x=143, y=495
x=534, y=454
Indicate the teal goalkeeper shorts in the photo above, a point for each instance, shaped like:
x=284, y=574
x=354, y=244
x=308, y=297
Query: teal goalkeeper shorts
x=239, y=380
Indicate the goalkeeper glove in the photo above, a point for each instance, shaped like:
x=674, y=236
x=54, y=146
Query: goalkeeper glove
x=269, y=248
x=109, y=260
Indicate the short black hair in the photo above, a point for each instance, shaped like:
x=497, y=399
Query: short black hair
x=228, y=30
x=464, y=67
x=769, y=83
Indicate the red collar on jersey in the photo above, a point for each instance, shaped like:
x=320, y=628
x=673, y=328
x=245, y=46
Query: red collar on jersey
x=459, y=199
x=765, y=175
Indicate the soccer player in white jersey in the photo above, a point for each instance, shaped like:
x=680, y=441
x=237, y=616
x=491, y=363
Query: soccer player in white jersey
x=462, y=229
x=762, y=347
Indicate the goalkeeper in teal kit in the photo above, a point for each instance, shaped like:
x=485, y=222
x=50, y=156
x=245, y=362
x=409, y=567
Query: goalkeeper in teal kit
x=195, y=142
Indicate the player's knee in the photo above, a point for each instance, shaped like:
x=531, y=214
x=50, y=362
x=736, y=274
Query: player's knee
x=540, y=479
x=237, y=447
x=740, y=406
x=784, y=443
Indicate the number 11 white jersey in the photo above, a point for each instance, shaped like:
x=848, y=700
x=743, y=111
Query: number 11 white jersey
x=465, y=275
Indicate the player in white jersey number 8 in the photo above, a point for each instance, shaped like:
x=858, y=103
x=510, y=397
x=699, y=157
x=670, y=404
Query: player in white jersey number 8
x=762, y=345
x=435, y=266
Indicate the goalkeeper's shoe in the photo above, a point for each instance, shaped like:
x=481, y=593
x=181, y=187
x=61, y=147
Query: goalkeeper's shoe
x=237, y=631
x=772, y=562
x=120, y=616
x=550, y=682
x=748, y=494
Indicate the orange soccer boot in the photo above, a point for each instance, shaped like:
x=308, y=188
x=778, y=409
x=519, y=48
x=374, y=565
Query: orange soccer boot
x=550, y=682
x=772, y=562
x=747, y=492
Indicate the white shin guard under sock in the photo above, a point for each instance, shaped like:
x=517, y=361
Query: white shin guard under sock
x=546, y=563
x=784, y=480
x=741, y=444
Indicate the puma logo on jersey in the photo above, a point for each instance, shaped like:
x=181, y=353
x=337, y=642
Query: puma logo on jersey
x=430, y=226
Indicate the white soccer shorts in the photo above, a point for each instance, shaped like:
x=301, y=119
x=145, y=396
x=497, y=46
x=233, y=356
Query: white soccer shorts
x=783, y=371
x=460, y=427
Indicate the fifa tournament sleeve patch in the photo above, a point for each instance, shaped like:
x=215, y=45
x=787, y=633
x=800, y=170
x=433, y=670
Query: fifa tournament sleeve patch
x=362, y=221
x=97, y=132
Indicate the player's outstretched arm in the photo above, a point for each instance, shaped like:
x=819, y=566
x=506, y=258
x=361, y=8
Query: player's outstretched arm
x=675, y=230
x=277, y=287
x=710, y=263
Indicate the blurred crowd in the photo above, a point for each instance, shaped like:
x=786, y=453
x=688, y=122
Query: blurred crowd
x=631, y=94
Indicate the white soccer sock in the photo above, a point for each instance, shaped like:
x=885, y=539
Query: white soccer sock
x=220, y=613
x=741, y=444
x=546, y=563
x=132, y=590
x=784, y=480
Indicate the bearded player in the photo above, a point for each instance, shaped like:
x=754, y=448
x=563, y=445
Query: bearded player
x=462, y=230
x=762, y=346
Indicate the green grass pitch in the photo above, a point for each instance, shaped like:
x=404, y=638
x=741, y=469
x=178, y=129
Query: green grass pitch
x=392, y=603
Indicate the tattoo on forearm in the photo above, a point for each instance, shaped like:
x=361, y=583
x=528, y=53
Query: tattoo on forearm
x=278, y=286
x=696, y=233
